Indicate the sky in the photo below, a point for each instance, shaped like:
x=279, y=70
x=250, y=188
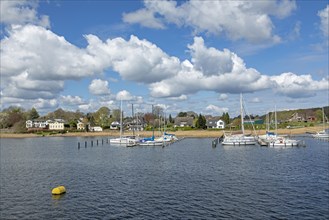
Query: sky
x=181, y=55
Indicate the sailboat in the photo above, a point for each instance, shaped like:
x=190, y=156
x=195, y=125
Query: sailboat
x=272, y=139
x=152, y=141
x=239, y=139
x=123, y=140
x=323, y=133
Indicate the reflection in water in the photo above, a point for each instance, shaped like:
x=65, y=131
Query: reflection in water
x=58, y=197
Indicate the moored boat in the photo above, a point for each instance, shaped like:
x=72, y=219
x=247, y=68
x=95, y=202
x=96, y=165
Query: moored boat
x=239, y=139
x=124, y=140
x=322, y=134
x=150, y=142
x=272, y=139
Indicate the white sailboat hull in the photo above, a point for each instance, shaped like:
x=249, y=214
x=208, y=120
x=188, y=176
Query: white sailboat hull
x=151, y=143
x=321, y=134
x=238, y=140
x=123, y=141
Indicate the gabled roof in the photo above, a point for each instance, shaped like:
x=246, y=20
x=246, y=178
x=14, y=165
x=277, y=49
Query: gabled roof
x=187, y=120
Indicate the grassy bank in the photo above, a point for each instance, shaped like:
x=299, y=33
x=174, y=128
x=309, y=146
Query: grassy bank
x=190, y=133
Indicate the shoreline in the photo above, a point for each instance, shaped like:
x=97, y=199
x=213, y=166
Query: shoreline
x=179, y=134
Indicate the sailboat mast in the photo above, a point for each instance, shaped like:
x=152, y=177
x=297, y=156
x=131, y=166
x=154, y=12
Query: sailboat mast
x=268, y=121
x=153, y=122
x=241, y=113
x=276, y=121
x=323, y=119
x=121, y=119
x=132, y=116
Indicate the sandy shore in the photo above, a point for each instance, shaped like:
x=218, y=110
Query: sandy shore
x=192, y=133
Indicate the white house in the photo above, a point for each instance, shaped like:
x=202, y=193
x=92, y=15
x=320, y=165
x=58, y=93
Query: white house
x=29, y=124
x=96, y=128
x=36, y=124
x=56, y=125
x=115, y=125
x=80, y=125
x=215, y=123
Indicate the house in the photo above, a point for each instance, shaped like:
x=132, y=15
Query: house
x=115, y=125
x=96, y=129
x=57, y=124
x=311, y=118
x=297, y=117
x=40, y=124
x=135, y=125
x=215, y=123
x=80, y=126
x=29, y=124
x=183, y=122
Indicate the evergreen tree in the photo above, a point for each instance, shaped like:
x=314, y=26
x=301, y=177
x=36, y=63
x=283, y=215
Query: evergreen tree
x=170, y=119
x=33, y=114
x=226, y=118
x=201, y=122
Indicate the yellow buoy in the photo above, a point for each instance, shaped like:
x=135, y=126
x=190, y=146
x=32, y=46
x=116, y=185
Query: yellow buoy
x=58, y=190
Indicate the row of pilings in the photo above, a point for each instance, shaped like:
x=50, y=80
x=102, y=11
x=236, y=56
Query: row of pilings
x=93, y=143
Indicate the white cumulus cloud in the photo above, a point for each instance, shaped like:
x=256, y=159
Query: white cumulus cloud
x=135, y=59
x=99, y=87
x=22, y=12
x=124, y=95
x=324, y=16
x=250, y=20
x=216, y=110
x=211, y=70
x=298, y=86
x=71, y=100
x=223, y=97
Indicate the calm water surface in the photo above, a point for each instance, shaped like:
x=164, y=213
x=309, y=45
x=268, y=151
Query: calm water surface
x=187, y=180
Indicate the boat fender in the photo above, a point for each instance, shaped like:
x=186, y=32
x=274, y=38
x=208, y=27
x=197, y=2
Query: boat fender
x=58, y=190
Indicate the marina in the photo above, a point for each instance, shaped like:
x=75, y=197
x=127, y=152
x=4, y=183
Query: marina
x=164, y=109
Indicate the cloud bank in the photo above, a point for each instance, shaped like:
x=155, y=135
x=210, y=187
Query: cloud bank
x=248, y=20
x=35, y=63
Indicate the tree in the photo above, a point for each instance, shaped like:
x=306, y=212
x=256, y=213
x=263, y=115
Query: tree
x=319, y=115
x=102, y=116
x=116, y=114
x=60, y=114
x=33, y=114
x=157, y=111
x=15, y=114
x=182, y=114
x=91, y=119
x=148, y=118
x=4, y=123
x=226, y=118
x=171, y=120
x=201, y=122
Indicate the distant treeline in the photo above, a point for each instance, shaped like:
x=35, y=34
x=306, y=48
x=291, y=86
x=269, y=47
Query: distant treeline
x=14, y=118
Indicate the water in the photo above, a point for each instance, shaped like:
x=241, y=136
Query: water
x=187, y=180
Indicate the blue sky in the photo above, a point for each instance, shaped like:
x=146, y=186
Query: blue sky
x=182, y=55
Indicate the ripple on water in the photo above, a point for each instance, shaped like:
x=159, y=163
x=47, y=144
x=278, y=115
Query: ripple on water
x=188, y=180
